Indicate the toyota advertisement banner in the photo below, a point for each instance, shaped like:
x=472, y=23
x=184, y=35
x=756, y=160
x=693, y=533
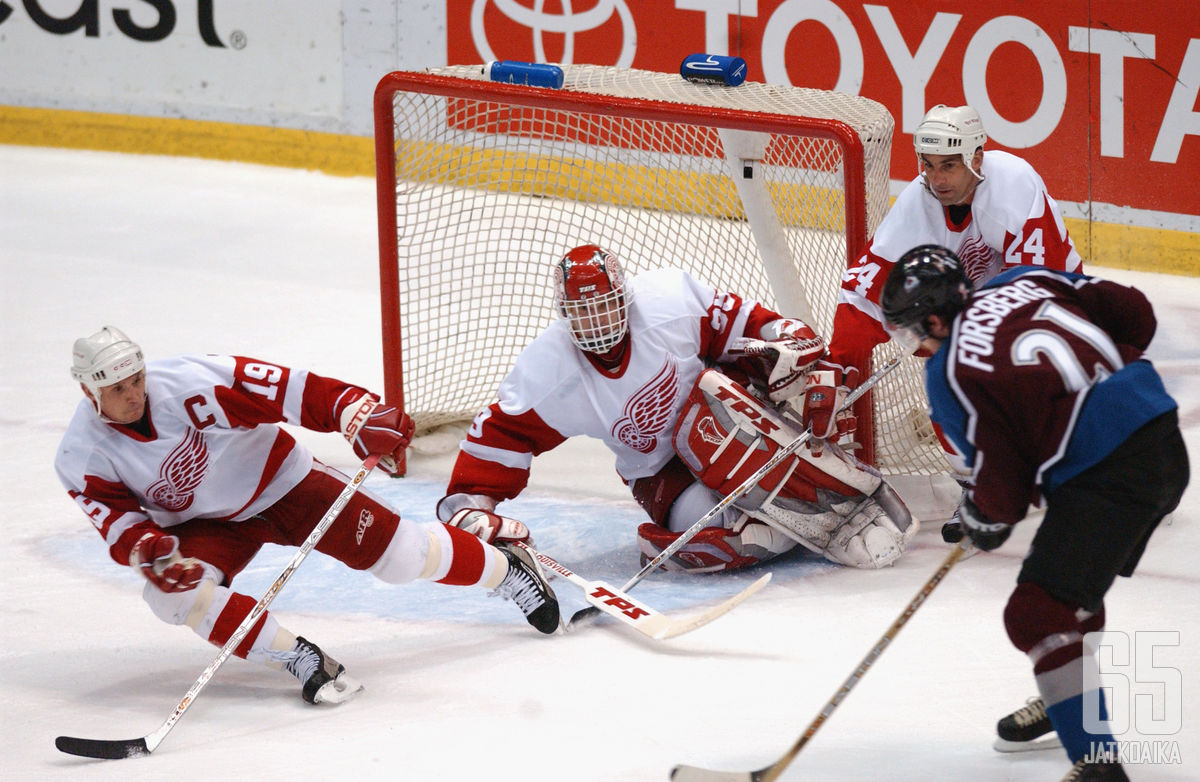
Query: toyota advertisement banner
x=1100, y=95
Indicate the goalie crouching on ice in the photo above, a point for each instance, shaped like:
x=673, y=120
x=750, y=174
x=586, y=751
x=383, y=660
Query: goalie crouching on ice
x=650, y=365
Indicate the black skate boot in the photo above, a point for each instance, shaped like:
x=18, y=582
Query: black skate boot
x=525, y=586
x=1102, y=770
x=325, y=679
x=1020, y=731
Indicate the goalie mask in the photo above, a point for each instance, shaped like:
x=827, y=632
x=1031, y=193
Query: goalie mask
x=590, y=292
x=927, y=280
x=104, y=359
x=950, y=130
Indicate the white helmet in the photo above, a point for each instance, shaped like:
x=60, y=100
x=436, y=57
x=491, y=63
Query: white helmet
x=590, y=292
x=105, y=358
x=950, y=131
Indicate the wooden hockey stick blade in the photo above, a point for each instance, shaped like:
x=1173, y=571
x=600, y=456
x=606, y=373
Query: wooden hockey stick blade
x=655, y=624
x=688, y=624
x=618, y=604
x=101, y=749
x=694, y=774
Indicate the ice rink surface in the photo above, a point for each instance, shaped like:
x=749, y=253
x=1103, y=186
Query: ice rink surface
x=209, y=257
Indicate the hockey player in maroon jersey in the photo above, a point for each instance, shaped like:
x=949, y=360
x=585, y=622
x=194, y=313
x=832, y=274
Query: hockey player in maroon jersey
x=180, y=466
x=990, y=207
x=1039, y=381
x=648, y=366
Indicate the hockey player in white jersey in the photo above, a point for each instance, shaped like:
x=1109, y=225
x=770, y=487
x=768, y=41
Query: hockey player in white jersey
x=181, y=467
x=681, y=382
x=989, y=207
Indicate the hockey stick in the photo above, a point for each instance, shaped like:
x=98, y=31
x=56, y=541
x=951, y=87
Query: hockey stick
x=585, y=614
x=639, y=616
x=117, y=749
x=694, y=774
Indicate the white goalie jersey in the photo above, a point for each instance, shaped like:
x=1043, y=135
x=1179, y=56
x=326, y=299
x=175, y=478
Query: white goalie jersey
x=677, y=328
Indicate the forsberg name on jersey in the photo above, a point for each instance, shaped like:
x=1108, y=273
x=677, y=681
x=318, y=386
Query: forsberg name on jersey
x=977, y=332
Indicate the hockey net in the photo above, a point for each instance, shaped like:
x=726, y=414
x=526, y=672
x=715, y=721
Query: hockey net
x=761, y=190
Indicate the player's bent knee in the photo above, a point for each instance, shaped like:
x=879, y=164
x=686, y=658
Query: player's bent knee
x=404, y=558
x=1033, y=615
x=177, y=608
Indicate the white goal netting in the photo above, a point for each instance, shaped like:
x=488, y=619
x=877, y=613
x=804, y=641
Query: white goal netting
x=762, y=190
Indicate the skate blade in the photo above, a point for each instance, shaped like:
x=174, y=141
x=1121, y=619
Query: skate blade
x=1045, y=742
x=340, y=690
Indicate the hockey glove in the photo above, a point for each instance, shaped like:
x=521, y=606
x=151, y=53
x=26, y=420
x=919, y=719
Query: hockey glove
x=823, y=396
x=986, y=535
x=952, y=531
x=157, y=557
x=373, y=427
x=490, y=528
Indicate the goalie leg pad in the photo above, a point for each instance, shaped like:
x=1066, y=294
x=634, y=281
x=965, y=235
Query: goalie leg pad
x=875, y=534
x=724, y=435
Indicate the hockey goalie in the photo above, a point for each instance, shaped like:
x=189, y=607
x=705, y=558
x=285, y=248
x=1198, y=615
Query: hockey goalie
x=684, y=384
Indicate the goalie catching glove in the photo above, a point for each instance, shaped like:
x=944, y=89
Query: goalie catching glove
x=372, y=427
x=790, y=348
x=156, y=556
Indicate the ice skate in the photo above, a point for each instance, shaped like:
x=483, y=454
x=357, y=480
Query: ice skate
x=525, y=586
x=1103, y=770
x=1023, y=730
x=325, y=679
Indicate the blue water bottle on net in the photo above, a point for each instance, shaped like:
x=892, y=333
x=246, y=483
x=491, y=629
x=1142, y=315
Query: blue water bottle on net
x=713, y=69
x=535, y=74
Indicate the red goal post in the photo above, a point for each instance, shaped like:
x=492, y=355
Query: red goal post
x=762, y=190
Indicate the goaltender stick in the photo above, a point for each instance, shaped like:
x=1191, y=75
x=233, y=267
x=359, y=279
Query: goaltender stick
x=680, y=382
x=1039, y=379
x=181, y=467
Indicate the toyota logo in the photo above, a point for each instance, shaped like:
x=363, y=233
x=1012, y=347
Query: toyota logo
x=568, y=24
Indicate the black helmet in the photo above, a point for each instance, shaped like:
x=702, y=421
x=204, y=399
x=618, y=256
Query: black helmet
x=927, y=280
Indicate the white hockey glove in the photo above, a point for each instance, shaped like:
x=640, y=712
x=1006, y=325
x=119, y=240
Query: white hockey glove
x=491, y=528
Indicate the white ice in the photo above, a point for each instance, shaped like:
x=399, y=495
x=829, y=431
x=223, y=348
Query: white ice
x=198, y=256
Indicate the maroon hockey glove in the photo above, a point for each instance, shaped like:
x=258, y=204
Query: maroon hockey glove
x=985, y=534
x=373, y=427
x=157, y=557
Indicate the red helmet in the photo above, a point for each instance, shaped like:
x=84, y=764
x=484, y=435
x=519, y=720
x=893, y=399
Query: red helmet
x=589, y=291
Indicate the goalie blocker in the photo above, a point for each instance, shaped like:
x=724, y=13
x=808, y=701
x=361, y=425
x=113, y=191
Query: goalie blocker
x=826, y=501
